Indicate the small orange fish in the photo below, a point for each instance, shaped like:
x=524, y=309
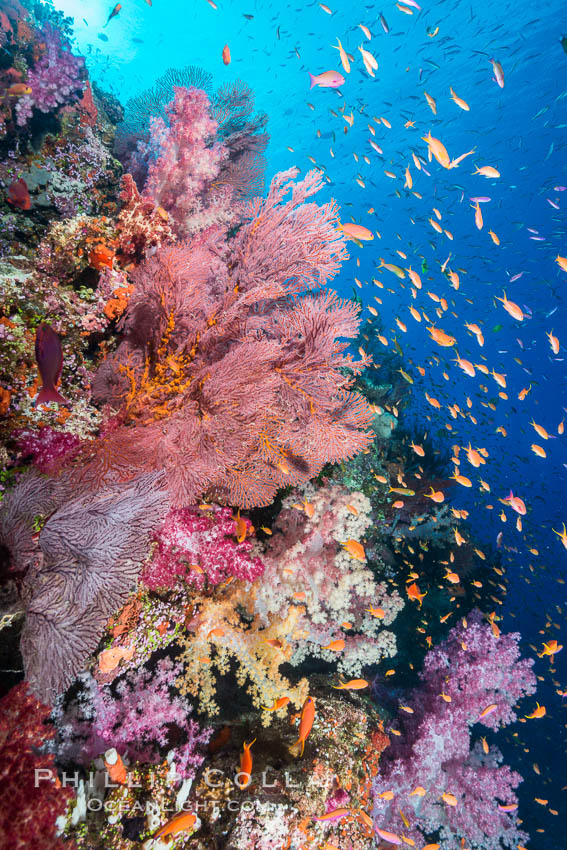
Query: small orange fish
x=356, y=549
x=305, y=725
x=488, y=710
x=551, y=648
x=278, y=703
x=440, y=337
x=18, y=89
x=243, y=778
x=538, y=712
x=335, y=645
x=179, y=823
x=240, y=529
x=414, y=593
x=335, y=814
x=352, y=685
x=309, y=509
x=450, y=799
x=419, y=792
x=113, y=13
x=553, y=341
x=512, y=309
x=391, y=837
x=435, y=496
x=226, y=54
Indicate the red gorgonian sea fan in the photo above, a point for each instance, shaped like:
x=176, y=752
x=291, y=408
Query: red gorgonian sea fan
x=225, y=379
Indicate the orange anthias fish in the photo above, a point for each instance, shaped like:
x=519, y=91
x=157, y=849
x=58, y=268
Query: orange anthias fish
x=390, y=837
x=240, y=529
x=357, y=231
x=436, y=496
x=243, y=777
x=414, y=593
x=305, y=725
x=335, y=814
x=538, y=712
x=562, y=535
x=356, y=549
x=440, y=337
x=352, y=685
x=179, y=823
x=515, y=503
x=113, y=14
x=327, y=80
x=512, y=308
x=18, y=89
x=335, y=645
x=278, y=703
x=551, y=648
x=226, y=54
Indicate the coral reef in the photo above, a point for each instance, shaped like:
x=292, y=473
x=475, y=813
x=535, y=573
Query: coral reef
x=210, y=538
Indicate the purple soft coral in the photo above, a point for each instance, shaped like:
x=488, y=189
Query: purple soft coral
x=55, y=79
x=470, y=671
x=137, y=720
x=196, y=546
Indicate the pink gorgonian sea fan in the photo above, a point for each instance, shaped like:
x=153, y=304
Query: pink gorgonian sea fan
x=224, y=379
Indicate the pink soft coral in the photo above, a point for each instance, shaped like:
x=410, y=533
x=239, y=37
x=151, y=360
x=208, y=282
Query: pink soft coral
x=185, y=159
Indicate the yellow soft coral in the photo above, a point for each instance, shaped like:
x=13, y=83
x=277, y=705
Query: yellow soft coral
x=217, y=632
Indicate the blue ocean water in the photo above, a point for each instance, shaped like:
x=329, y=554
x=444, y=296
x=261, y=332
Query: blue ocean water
x=521, y=130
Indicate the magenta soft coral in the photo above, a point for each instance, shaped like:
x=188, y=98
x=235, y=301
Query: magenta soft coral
x=32, y=796
x=474, y=670
x=48, y=448
x=200, y=547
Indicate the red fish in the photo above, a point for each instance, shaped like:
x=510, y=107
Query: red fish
x=49, y=357
x=18, y=194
